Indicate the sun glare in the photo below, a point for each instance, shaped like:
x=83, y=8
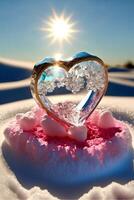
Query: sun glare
x=58, y=56
x=59, y=28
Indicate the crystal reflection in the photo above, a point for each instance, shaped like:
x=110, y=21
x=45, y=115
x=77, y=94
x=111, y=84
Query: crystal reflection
x=85, y=83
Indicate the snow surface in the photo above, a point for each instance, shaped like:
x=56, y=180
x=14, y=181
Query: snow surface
x=12, y=188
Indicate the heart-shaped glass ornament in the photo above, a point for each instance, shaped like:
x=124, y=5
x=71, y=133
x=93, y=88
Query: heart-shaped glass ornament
x=69, y=90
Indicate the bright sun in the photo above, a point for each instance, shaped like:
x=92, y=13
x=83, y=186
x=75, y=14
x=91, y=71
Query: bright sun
x=59, y=28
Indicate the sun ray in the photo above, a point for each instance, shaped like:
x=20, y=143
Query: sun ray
x=59, y=28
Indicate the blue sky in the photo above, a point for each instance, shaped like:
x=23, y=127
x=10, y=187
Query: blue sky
x=106, y=29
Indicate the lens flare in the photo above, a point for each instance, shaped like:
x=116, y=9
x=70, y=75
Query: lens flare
x=59, y=28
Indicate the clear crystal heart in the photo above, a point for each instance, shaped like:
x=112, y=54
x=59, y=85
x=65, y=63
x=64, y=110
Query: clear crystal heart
x=72, y=94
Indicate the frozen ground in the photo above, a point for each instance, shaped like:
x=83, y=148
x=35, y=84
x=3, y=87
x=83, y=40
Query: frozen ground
x=121, y=88
x=13, y=183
